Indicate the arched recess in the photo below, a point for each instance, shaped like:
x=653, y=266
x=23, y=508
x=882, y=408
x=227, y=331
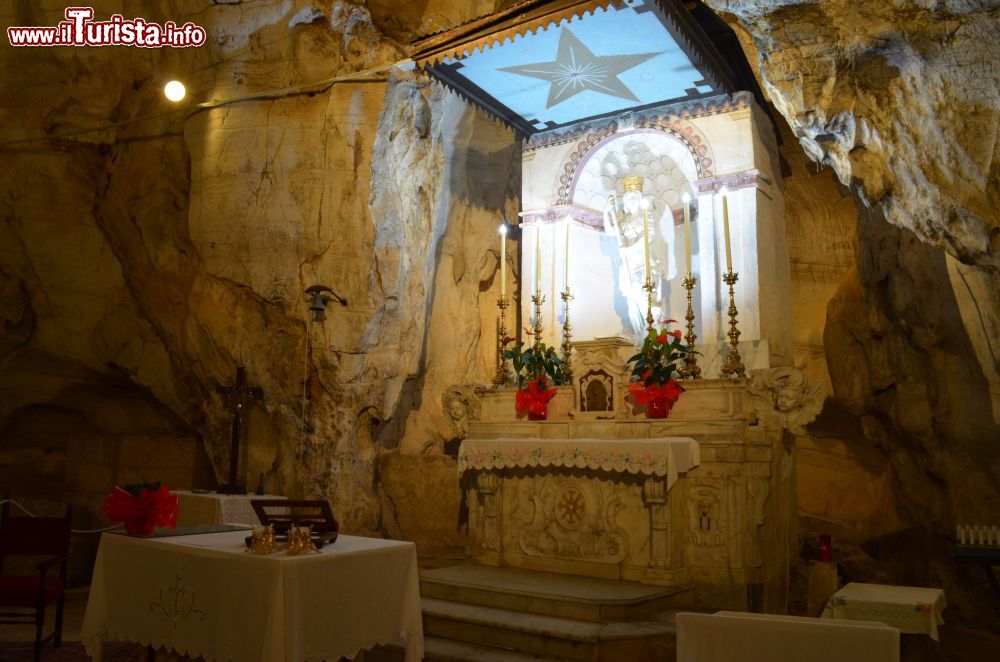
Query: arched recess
x=693, y=153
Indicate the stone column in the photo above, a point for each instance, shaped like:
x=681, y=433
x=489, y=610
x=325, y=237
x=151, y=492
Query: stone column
x=654, y=493
x=488, y=483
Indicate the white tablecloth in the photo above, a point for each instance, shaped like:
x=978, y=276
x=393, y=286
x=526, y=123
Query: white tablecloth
x=911, y=609
x=210, y=508
x=738, y=637
x=659, y=457
x=203, y=595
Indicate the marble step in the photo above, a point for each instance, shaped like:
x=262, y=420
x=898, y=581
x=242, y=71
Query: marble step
x=549, y=636
x=551, y=594
x=437, y=649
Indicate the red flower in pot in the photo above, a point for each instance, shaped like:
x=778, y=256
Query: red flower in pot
x=654, y=388
x=535, y=366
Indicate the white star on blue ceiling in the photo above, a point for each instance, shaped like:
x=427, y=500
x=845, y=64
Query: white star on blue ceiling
x=576, y=69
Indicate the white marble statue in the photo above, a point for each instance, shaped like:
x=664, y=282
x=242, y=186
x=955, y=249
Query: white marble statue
x=627, y=227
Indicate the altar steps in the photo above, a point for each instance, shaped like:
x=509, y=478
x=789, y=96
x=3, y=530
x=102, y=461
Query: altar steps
x=551, y=594
x=484, y=613
x=548, y=636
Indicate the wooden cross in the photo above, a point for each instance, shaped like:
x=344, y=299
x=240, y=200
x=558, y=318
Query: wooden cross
x=237, y=398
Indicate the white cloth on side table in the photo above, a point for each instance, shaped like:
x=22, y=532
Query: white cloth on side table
x=211, y=508
x=728, y=636
x=652, y=457
x=911, y=609
x=203, y=595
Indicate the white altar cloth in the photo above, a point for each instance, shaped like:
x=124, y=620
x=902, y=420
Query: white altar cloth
x=203, y=595
x=210, y=508
x=728, y=636
x=658, y=457
x=911, y=609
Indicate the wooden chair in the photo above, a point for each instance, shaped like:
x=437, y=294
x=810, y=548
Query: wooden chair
x=282, y=513
x=24, y=598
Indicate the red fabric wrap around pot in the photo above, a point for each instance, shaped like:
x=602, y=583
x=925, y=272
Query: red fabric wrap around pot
x=144, y=512
x=656, y=398
x=534, y=399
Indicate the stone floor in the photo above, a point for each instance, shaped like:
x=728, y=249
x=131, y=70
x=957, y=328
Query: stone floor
x=958, y=644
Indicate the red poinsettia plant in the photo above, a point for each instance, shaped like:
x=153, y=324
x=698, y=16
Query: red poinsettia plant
x=142, y=507
x=534, y=366
x=654, y=387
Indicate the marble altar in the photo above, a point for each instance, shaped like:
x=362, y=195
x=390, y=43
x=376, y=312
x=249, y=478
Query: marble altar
x=727, y=526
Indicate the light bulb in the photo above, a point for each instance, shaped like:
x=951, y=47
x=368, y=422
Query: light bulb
x=174, y=90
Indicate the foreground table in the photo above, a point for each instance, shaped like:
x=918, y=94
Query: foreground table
x=203, y=595
x=910, y=609
x=739, y=637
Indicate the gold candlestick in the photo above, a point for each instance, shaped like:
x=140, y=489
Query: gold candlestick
x=648, y=286
x=691, y=368
x=502, y=377
x=567, y=346
x=734, y=363
x=538, y=299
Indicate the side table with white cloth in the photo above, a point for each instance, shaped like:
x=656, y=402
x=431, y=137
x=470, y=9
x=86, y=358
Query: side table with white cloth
x=608, y=508
x=212, y=508
x=911, y=609
x=728, y=636
x=204, y=595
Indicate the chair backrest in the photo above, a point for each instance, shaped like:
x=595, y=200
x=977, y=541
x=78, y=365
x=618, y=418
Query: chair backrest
x=34, y=535
x=282, y=513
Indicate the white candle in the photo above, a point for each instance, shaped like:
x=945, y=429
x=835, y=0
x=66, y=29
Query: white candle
x=503, y=260
x=566, y=261
x=538, y=259
x=687, y=230
x=552, y=303
x=645, y=240
x=725, y=230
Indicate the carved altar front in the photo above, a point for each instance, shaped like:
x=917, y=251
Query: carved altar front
x=593, y=507
x=727, y=526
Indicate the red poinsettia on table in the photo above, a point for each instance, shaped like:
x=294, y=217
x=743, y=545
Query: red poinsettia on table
x=654, y=388
x=142, y=507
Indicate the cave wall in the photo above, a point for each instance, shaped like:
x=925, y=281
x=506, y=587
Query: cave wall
x=140, y=264
x=900, y=100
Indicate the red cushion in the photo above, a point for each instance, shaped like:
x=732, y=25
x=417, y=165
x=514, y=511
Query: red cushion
x=22, y=591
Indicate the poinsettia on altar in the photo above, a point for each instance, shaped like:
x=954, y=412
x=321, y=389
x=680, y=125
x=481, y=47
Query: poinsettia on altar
x=654, y=388
x=535, y=366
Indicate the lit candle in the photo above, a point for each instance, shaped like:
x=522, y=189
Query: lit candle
x=552, y=301
x=538, y=259
x=503, y=260
x=687, y=229
x=725, y=230
x=566, y=261
x=645, y=240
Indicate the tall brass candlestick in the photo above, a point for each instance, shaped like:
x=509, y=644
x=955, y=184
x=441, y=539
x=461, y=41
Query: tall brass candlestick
x=648, y=286
x=734, y=363
x=567, y=345
x=502, y=378
x=691, y=368
x=538, y=299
